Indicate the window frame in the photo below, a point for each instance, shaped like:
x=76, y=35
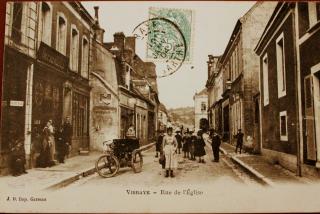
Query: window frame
x=203, y=104
x=283, y=137
x=265, y=76
x=281, y=69
x=64, y=51
x=49, y=40
x=76, y=68
x=312, y=14
x=23, y=24
x=85, y=59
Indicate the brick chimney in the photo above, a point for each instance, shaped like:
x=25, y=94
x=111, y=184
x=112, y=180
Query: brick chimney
x=130, y=43
x=119, y=38
x=99, y=32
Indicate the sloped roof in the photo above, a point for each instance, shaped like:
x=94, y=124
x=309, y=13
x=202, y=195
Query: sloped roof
x=202, y=92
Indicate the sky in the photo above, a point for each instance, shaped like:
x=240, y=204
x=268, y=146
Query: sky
x=213, y=23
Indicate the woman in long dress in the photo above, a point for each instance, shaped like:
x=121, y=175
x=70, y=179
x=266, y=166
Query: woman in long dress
x=170, y=146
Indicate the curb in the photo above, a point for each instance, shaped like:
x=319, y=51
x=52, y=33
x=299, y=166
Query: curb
x=263, y=179
x=71, y=179
x=86, y=173
x=223, y=151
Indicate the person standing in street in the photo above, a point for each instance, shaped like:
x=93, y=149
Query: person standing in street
x=169, y=146
x=67, y=132
x=52, y=142
x=60, y=145
x=216, y=142
x=199, y=147
x=131, y=132
x=192, y=143
x=159, y=143
x=46, y=158
x=185, y=146
x=239, y=137
x=179, y=140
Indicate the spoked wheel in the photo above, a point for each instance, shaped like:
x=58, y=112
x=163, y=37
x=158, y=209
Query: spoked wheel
x=107, y=166
x=136, y=161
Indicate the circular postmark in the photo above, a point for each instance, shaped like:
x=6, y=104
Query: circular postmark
x=165, y=43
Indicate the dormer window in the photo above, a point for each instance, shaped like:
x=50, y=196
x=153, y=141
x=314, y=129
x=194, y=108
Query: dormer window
x=127, y=76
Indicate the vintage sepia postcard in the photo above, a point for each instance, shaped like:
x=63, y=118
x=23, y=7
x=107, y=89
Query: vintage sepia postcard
x=160, y=106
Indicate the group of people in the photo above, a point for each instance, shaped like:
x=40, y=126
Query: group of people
x=55, y=141
x=54, y=144
x=192, y=145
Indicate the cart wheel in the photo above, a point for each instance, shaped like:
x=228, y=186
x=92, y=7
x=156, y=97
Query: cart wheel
x=107, y=166
x=136, y=161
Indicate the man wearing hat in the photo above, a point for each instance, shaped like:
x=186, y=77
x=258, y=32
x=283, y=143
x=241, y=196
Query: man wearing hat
x=239, y=137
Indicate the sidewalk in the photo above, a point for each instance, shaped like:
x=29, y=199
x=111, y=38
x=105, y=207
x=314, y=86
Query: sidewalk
x=258, y=166
x=53, y=177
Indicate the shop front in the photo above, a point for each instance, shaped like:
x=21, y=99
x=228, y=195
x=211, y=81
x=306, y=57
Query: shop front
x=58, y=94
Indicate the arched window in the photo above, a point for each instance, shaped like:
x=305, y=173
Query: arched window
x=46, y=21
x=74, y=49
x=61, y=34
x=85, y=57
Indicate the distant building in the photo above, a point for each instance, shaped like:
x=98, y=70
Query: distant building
x=163, y=117
x=138, y=93
x=290, y=87
x=200, y=107
x=215, y=89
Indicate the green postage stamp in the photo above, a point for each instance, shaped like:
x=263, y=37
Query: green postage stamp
x=183, y=18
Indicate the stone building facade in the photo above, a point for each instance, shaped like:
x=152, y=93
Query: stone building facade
x=19, y=64
x=289, y=84
x=240, y=68
x=51, y=43
x=61, y=77
x=104, y=103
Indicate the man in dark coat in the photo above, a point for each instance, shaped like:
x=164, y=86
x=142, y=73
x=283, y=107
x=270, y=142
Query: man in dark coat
x=239, y=137
x=185, y=147
x=216, y=142
x=179, y=140
x=60, y=145
x=192, y=143
x=18, y=159
x=67, y=132
x=159, y=143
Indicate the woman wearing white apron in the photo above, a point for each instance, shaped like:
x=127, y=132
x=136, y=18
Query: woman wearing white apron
x=170, y=145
